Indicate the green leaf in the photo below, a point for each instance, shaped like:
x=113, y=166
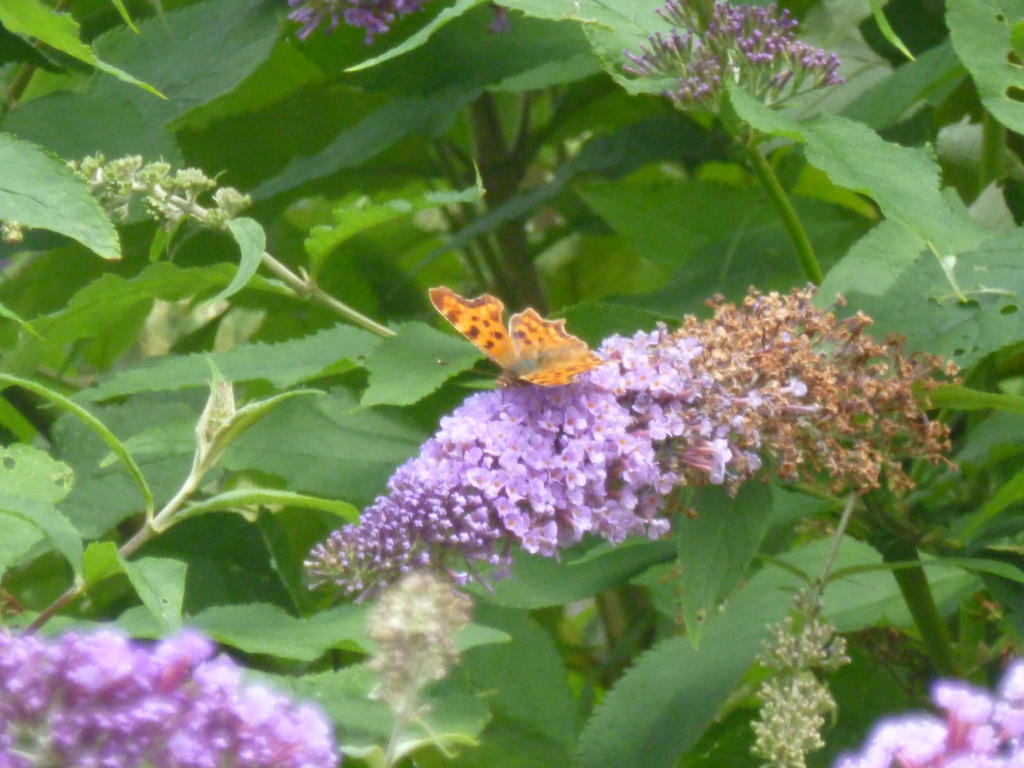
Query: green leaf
x=421, y=36
x=283, y=364
x=962, y=398
x=269, y=629
x=668, y=713
x=353, y=218
x=926, y=80
x=33, y=19
x=252, y=242
x=430, y=116
x=903, y=181
x=582, y=572
x=101, y=308
x=27, y=473
x=160, y=584
x=39, y=190
x=886, y=30
x=982, y=34
x=193, y=54
x=238, y=500
x=716, y=549
x=93, y=424
x=407, y=367
x=101, y=561
x=61, y=534
x=329, y=447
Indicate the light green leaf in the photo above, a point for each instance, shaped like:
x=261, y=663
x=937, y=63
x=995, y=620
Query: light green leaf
x=982, y=34
x=160, y=584
x=33, y=19
x=962, y=398
x=420, y=36
x=269, y=629
x=39, y=190
x=61, y=534
x=252, y=242
x=283, y=364
x=241, y=499
x=886, y=30
x=93, y=424
x=904, y=181
x=407, y=367
x=30, y=474
x=101, y=561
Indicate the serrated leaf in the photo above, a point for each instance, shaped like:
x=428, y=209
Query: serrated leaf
x=160, y=584
x=93, y=424
x=904, y=181
x=252, y=241
x=407, y=367
x=982, y=34
x=667, y=714
x=716, y=549
x=269, y=629
x=39, y=190
x=237, y=500
x=283, y=364
x=59, y=30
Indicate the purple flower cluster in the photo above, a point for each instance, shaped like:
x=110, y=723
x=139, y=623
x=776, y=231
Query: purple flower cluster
x=101, y=701
x=375, y=16
x=977, y=730
x=751, y=46
x=541, y=467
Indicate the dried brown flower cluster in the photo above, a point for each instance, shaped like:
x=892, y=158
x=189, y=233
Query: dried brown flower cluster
x=859, y=418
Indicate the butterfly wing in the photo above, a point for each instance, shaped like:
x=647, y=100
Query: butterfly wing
x=479, y=320
x=545, y=353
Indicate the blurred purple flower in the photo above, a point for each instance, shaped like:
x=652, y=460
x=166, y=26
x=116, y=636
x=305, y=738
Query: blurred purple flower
x=375, y=16
x=976, y=730
x=751, y=46
x=102, y=700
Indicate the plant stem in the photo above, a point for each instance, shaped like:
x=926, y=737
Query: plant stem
x=918, y=597
x=307, y=288
x=784, y=207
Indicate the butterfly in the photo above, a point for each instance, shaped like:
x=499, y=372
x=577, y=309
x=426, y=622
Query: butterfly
x=532, y=349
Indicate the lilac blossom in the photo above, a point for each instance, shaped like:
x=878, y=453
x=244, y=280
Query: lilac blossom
x=750, y=46
x=375, y=16
x=975, y=730
x=100, y=700
x=542, y=467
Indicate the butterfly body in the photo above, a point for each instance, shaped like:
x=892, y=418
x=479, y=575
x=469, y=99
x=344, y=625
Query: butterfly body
x=531, y=349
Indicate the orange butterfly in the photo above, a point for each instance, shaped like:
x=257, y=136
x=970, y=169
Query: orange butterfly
x=532, y=349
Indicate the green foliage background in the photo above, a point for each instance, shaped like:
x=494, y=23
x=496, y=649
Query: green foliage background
x=526, y=164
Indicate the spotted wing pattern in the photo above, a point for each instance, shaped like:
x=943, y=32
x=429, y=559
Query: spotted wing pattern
x=480, y=320
x=532, y=349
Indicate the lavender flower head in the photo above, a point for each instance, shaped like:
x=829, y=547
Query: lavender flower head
x=976, y=730
x=751, y=46
x=100, y=700
x=375, y=16
x=541, y=467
